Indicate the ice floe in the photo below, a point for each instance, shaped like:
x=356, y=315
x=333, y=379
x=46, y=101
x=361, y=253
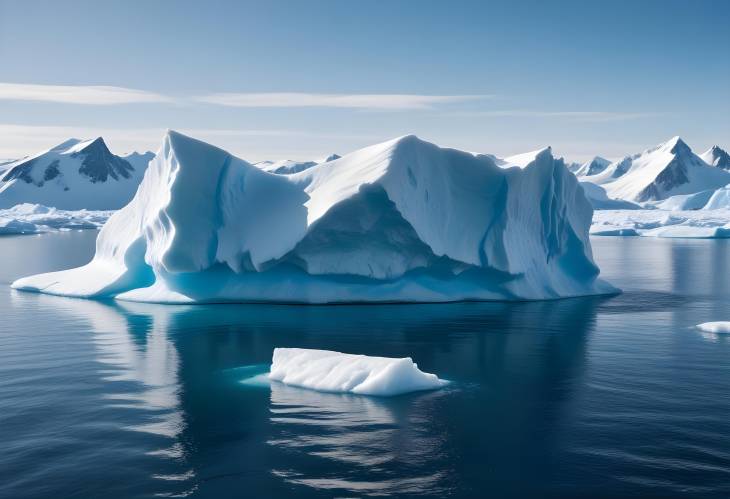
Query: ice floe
x=329, y=371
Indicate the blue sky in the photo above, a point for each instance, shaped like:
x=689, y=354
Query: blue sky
x=302, y=79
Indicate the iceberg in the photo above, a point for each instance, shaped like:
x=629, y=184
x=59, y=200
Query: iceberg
x=718, y=327
x=329, y=371
x=400, y=221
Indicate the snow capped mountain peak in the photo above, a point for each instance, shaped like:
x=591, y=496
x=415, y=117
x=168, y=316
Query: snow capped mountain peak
x=717, y=157
x=63, y=177
x=676, y=145
x=667, y=170
x=592, y=167
x=329, y=158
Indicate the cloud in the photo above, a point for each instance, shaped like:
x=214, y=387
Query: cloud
x=392, y=102
x=17, y=141
x=585, y=116
x=108, y=95
x=78, y=94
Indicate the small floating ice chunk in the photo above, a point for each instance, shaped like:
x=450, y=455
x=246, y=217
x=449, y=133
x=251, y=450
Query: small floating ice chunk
x=718, y=327
x=329, y=371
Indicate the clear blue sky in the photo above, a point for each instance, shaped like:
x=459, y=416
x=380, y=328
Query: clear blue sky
x=587, y=77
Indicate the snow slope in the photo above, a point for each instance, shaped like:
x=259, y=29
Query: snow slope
x=74, y=175
x=288, y=166
x=719, y=200
x=717, y=157
x=404, y=220
x=328, y=371
x=35, y=218
x=600, y=200
x=666, y=170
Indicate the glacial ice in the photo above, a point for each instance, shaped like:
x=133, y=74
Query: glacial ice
x=718, y=327
x=696, y=224
x=404, y=220
x=329, y=371
x=34, y=218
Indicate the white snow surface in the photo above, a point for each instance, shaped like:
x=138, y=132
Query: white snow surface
x=34, y=218
x=720, y=199
x=74, y=175
x=666, y=170
x=600, y=200
x=400, y=221
x=695, y=224
x=718, y=327
x=329, y=371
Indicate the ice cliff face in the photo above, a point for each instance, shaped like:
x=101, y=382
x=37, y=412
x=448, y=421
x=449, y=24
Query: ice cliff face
x=403, y=220
x=74, y=175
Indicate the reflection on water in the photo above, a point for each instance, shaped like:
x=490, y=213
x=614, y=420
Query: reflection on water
x=348, y=443
x=608, y=397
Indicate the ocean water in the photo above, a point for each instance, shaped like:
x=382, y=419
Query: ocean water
x=590, y=397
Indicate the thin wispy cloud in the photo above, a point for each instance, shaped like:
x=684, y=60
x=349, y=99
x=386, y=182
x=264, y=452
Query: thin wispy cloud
x=392, y=102
x=585, y=116
x=79, y=94
x=111, y=95
x=18, y=140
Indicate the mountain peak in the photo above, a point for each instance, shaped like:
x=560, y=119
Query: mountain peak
x=96, y=145
x=676, y=145
x=716, y=156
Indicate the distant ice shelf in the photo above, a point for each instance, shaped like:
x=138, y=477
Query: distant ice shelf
x=330, y=371
x=35, y=218
x=698, y=224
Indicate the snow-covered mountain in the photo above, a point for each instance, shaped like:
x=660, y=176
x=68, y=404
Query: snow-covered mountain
x=288, y=166
x=592, y=167
x=74, y=175
x=666, y=170
x=716, y=156
x=404, y=220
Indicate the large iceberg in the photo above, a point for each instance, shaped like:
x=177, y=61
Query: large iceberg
x=329, y=371
x=404, y=220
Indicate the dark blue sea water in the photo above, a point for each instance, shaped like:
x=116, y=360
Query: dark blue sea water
x=594, y=397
